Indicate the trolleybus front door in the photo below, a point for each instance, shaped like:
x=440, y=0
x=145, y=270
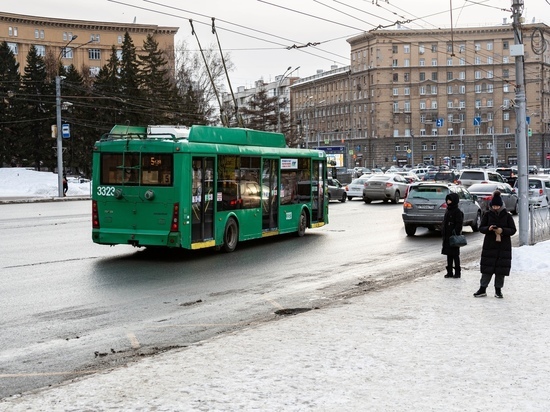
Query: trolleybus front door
x=270, y=194
x=202, y=198
x=318, y=191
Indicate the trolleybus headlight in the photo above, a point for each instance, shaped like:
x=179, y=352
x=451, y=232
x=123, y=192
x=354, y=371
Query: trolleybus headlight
x=149, y=195
x=118, y=193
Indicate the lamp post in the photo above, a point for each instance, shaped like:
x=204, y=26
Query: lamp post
x=58, y=117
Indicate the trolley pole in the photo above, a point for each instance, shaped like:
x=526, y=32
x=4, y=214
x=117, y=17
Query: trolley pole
x=521, y=131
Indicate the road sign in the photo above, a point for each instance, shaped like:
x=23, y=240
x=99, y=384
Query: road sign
x=477, y=121
x=530, y=132
x=463, y=155
x=65, y=131
x=528, y=119
x=439, y=122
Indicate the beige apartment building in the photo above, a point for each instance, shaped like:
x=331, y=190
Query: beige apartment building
x=429, y=96
x=86, y=44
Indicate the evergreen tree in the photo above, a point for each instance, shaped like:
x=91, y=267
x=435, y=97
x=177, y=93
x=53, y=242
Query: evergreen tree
x=40, y=112
x=262, y=112
x=156, y=83
x=10, y=110
x=129, y=82
x=107, y=89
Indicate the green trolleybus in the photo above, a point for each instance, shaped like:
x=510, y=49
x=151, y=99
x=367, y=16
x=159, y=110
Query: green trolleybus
x=203, y=187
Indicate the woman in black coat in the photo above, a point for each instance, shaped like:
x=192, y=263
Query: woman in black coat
x=498, y=226
x=452, y=222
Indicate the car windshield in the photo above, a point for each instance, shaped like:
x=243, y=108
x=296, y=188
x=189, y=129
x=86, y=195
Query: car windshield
x=472, y=175
x=535, y=184
x=380, y=178
x=428, y=192
x=358, y=181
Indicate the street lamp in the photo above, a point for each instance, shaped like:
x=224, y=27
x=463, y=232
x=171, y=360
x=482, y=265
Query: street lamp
x=284, y=76
x=58, y=116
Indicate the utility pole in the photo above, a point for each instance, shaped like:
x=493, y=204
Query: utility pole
x=517, y=50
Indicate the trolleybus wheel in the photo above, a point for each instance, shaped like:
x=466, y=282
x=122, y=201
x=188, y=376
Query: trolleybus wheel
x=302, y=224
x=230, y=236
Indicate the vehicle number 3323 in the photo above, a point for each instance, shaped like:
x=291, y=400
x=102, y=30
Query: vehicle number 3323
x=105, y=191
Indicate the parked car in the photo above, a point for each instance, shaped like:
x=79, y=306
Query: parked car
x=470, y=176
x=539, y=190
x=336, y=191
x=533, y=170
x=420, y=172
x=425, y=206
x=509, y=173
x=409, y=176
x=355, y=188
x=484, y=193
x=385, y=187
x=441, y=176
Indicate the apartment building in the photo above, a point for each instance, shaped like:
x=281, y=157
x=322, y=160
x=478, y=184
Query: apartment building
x=86, y=44
x=429, y=96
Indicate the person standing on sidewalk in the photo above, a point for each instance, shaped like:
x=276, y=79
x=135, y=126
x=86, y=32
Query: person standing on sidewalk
x=452, y=224
x=498, y=226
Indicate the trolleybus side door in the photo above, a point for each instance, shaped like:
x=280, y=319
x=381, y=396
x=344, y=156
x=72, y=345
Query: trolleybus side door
x=202, y=199
x=270, y=194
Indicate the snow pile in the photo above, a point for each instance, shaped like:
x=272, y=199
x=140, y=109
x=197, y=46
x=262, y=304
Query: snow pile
x=22, y=182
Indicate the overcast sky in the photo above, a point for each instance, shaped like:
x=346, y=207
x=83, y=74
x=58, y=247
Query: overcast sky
x=262, y=30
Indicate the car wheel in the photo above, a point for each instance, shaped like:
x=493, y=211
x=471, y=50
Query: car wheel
x=515, y=210
x=230, y=236
x=476, y=223
x=396, y=197
x=349, y=197
x=302, y=224
x=344, y=198
x=410, y=230
x=366, y=200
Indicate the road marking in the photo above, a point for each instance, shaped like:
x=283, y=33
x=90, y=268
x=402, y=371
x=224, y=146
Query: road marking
x=133, y=340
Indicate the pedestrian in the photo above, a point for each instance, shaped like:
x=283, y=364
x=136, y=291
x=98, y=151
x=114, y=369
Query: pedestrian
x=498, y=226
x=65, y=185
x=452, y=225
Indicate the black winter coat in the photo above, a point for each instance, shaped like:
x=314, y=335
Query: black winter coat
x=496, y=257
x=453, y=220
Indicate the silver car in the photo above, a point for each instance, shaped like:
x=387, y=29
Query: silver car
x=484, y=193
x=336, y=191
x=355, y=188
x=425, y=206
x=385, y=187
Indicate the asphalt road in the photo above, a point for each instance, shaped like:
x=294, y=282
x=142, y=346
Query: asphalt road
x=71, y=307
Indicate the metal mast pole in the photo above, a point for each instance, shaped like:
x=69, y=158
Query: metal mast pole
x=521, y=132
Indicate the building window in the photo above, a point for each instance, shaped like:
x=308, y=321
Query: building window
x=450, y=76
x=506, y=130
x=449, y=89
x=505, y=59
x=119, y=39
x=406, y=48
x=394, y=48
x=422, y=132
x=477, y=74
x=119, y=55
x=462, y=104
x=407, y=106
x=422, y=104
x=67, y=53
x=422, y=62
x=490, y=60
x=462, y=89
x=395, y=77
x=14, y=48
x=395, y=107
x=489, y=74
x=477, y=60
x=452, y=146
x=505, y=73
x=40, y=50
x=422, y=90
x=434, y=48
x=395, y=91
x=434, y=62
x=94, y=54
x=477, y=88
x=490, y=103
x=508, y=145
x=407, y=62
x=407, y=91
x=477, y=130
x=478, y=103
x=505, y=88
x=490, y=46
x=477, y=46
x=449, y=104
x=421, y=49
x=505, y=44
x=450, y=133
x=406, y=77
x=94, y=38
x=37, y=34
x=434, y=75
x=434, y=146
x=462, y=61
x=434, y=132
x=462, y=75
x=395, y=63
x=450, y=61
x=434, y=104
x=422, y=76
x=506, y=116
x=424, y=147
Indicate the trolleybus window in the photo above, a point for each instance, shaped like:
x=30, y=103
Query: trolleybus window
x=154, y=169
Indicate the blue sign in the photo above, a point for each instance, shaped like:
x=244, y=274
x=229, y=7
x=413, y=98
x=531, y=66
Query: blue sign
x=528, y=119
x=463, y=155
x=439, y=122
x=477, y=121
x=65, y=131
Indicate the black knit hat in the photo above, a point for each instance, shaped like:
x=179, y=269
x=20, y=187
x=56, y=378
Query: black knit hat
x=496, y=200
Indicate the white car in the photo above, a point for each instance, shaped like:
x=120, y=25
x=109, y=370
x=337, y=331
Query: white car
x=355, y=188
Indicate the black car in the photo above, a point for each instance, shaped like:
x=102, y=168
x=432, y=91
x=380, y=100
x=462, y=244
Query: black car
x=447, y=176
x=509, y=173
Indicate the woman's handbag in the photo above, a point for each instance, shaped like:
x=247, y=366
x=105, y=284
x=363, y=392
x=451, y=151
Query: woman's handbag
x=457, y=240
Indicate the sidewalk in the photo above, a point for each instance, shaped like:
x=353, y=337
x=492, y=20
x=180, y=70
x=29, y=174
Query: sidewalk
x=426, y=345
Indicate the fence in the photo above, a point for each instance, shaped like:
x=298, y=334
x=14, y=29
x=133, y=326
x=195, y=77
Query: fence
x=539, y=224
